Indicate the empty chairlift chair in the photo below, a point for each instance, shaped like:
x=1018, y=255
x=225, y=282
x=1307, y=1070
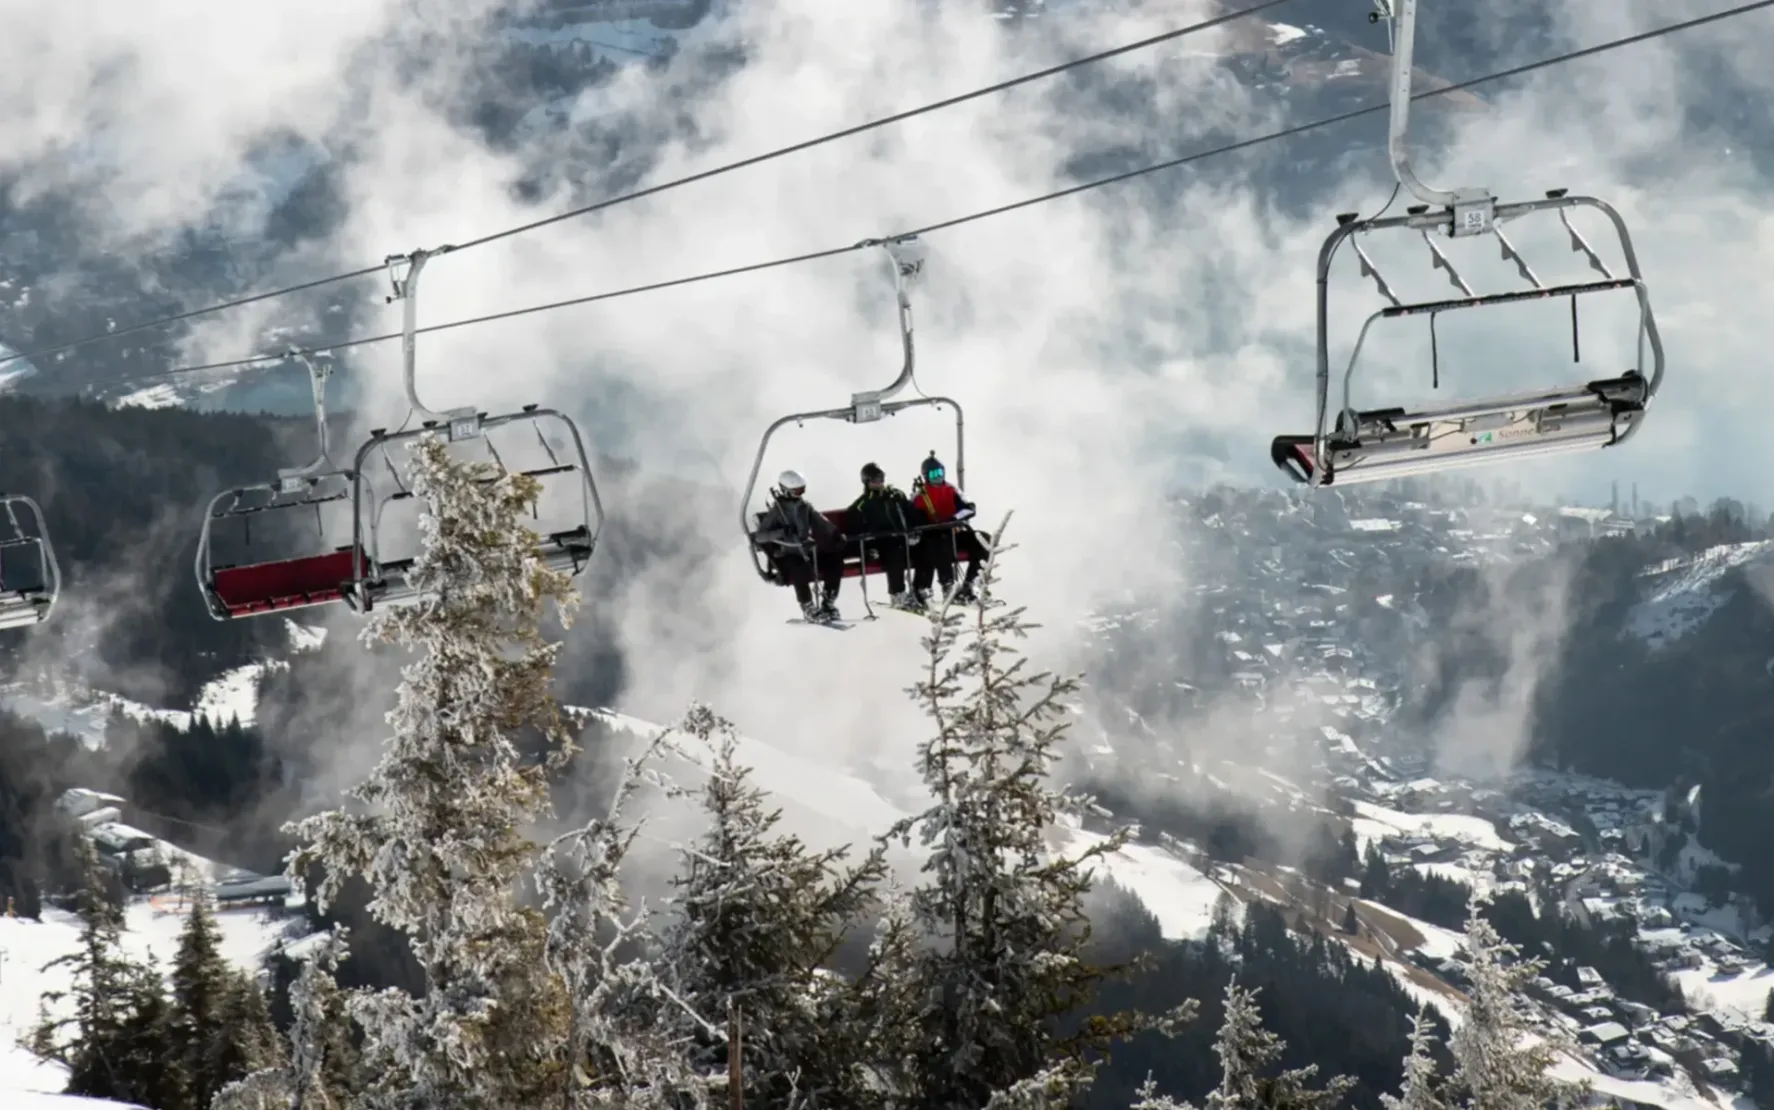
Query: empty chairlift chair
x=30, y=579
x=906, y=258
x=1383, y=443
x=568, y=537
x=316, y=574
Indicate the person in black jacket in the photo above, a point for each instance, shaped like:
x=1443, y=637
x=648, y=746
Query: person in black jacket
x=803, y=540
x=885, y=515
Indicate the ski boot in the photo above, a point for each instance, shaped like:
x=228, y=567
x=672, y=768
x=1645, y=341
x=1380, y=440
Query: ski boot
x=963, y=594
x=828, y=610
x=811, y=612
x=907, y=600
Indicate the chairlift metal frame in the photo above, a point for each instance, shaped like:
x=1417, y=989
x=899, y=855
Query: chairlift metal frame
x=26, y=607
x=281, y=585
x=1381, y=444
x=905, y=255
x=380, y=581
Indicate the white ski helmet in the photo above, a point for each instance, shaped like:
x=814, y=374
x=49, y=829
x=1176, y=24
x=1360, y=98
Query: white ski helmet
x=791, y=483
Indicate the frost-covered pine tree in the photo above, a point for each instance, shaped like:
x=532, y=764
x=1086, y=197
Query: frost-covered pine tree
x=759, y=915
x=1246, y=1050
x=1421, y=1087
x=1005, y=910
x=1501, y=1062
x=438, y=831
x=310, y=1078
x=625, y=1045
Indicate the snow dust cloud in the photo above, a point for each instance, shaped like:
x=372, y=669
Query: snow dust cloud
x=1107, y=348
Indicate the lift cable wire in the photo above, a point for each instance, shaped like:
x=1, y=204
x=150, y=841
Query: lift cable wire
x=811, y=256
x=653, y=190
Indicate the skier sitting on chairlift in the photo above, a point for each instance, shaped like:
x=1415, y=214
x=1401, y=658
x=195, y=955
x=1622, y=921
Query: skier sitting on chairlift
x=885, y=515
x=805, y=541
x=941, y=503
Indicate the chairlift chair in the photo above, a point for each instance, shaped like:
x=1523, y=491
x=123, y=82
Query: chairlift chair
x=280, y=585
x=384, y=578
x=30, y=601
x=1379, y=444
x=906, y=257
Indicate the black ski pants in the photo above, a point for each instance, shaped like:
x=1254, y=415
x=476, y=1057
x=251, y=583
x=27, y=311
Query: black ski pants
x=891, y=553
x=938, y=551
x=798, y=565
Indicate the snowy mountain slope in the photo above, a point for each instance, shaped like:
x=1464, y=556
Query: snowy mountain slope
x=1681, y=594
x=25, y=1099
x=1180, y=896
x=26, y=946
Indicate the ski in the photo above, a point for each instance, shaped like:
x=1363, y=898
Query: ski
x=841, y=626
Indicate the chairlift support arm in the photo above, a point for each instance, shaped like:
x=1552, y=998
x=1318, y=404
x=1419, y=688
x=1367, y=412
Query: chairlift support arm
x=905, y=256
x=1473, y=208
x=463, y=422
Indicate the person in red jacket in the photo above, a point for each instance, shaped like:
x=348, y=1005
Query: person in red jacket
x=940, y=503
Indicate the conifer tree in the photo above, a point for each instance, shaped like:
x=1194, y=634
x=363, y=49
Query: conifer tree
x=1501, y=1062
x=201, y=981
x=624, y=1045
x=1006, y=912
x=1421, y=1087
x=118, y=1019
x=759, y=915
x=438, y=831
x=317, y=1074
x=1246, y=1050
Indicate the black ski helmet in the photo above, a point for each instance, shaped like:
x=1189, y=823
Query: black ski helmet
x=872, y=473
x=931, y=465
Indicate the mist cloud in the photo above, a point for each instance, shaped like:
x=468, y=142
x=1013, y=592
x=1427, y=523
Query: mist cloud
x=1106, y=347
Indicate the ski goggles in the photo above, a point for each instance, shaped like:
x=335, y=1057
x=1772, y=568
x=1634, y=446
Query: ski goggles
x=934, y=475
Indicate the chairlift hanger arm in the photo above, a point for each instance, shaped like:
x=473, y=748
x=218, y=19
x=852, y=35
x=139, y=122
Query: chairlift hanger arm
x=318, y=373
x=1471, y=209
x=905, y=258
x=463, y=422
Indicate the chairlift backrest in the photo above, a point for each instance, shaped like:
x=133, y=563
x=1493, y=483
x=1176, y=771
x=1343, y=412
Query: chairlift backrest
x=30, y=601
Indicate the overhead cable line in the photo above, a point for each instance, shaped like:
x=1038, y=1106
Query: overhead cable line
x=972, y=217
x=654, y=190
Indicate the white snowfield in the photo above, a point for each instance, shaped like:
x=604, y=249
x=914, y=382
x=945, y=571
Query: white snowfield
x=37, y=1100
x=1374, y=822
x=1684, y=593
x=26, y=946
x=1178, y=895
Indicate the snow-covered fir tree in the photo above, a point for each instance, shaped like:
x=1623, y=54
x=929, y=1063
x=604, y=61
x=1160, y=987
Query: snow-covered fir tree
x=1421, y=1087
x=625, y=1044
x=1005, y=910
x=438, y=828
x=312, y=1076
x=1501, y=1062
x=759, y=917
x=1247, y=1051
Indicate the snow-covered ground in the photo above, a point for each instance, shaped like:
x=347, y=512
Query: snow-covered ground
x=1177, y=894
x=26, y=946
x=1685, y=592
x=1374, y=822
x=232, y=694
